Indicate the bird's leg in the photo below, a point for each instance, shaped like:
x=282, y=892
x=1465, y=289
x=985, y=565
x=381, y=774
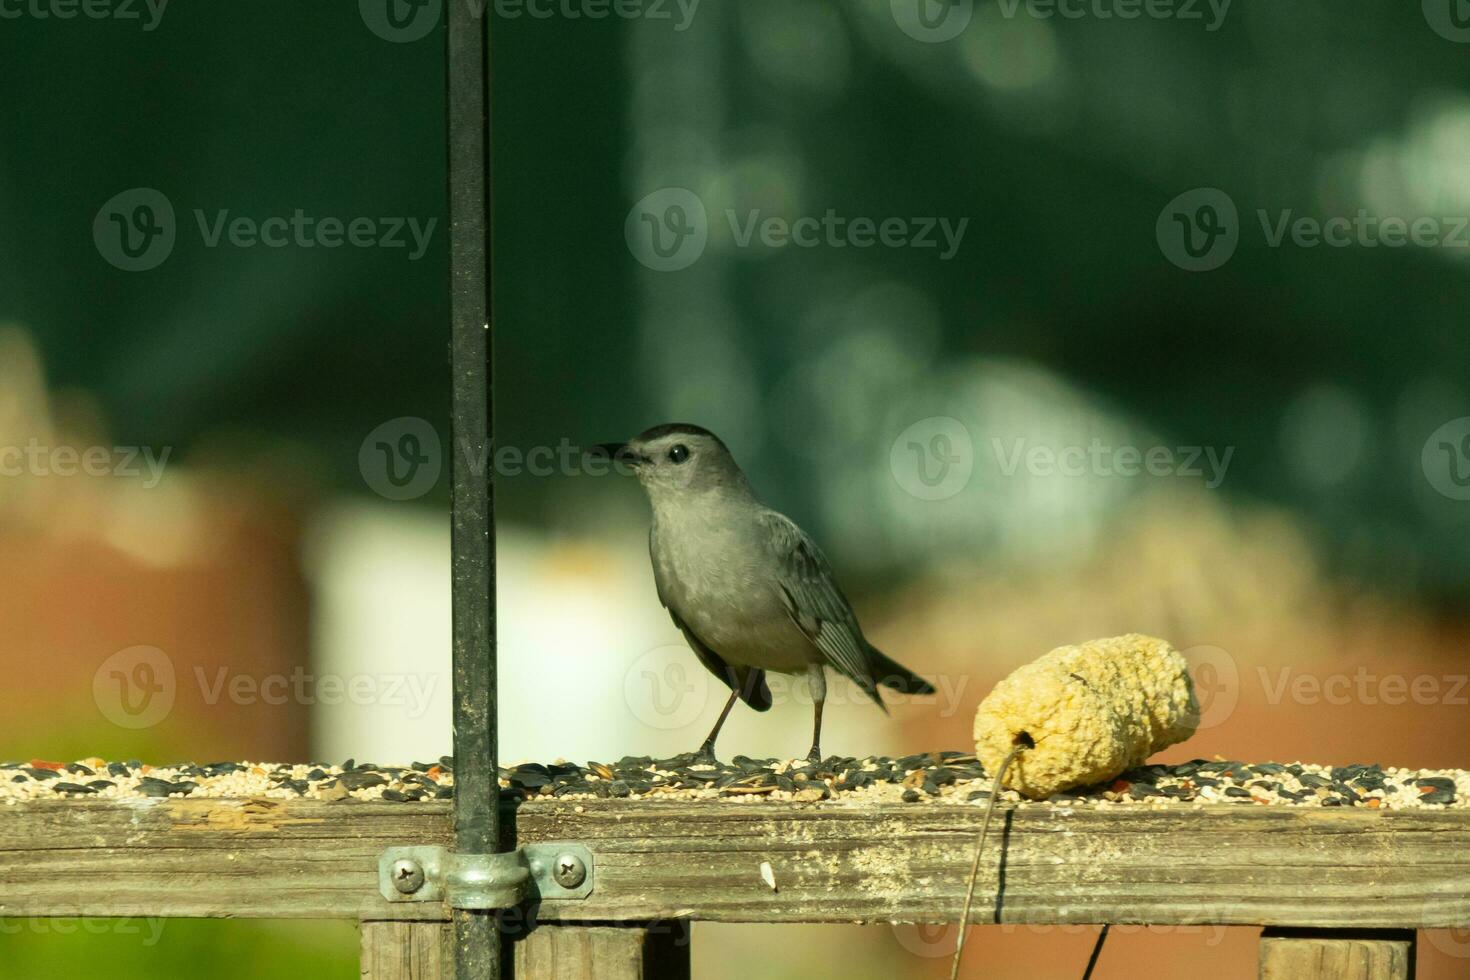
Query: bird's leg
x=707, y=750
x=819, y=696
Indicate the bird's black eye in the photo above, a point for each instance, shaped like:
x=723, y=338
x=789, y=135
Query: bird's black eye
x=679, y=453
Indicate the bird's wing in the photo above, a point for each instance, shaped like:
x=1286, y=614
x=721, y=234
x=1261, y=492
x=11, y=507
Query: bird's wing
x=815, y=603
x=749, y=682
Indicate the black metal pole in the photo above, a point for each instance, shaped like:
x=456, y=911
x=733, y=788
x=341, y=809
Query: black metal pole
x=476, y=786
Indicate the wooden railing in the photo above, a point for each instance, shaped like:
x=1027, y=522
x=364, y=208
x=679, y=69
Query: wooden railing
x=1338, y=890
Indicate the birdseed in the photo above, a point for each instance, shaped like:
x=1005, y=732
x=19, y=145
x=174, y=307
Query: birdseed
x=937, y=778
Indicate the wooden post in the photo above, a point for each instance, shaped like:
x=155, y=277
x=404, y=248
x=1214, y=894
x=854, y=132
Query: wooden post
x=407, y=950
x=645, y=951
x=1337, y=954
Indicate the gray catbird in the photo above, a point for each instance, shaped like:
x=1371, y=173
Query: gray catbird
x=747, y=587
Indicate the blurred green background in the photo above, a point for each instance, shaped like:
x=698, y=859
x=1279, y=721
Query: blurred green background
x=1061, y=139
x=1062, y=317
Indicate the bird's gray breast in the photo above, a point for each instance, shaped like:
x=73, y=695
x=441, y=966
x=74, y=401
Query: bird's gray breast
x=717, y=574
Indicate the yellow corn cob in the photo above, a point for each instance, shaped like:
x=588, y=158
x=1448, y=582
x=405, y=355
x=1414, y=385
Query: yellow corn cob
x=1083, y=714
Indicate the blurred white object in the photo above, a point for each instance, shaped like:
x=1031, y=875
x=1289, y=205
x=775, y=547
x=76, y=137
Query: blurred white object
x=380, y=587
x=591, y=667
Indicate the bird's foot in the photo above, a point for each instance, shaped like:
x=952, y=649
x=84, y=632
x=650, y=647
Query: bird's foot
x=815, y=755
x=706, y=753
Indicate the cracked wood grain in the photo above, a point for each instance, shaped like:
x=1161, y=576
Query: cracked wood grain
x=1227, y=864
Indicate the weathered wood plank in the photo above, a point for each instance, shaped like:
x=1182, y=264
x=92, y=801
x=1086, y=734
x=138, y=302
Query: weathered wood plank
x=630, y=952
x=396, y=950
x=215, y=858
x=1326, y=955
x=1229, y=865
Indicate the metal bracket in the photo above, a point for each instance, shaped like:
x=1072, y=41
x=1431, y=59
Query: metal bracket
x=536, y=872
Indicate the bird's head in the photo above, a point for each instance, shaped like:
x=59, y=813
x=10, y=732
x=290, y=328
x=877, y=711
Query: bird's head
x=677, y=459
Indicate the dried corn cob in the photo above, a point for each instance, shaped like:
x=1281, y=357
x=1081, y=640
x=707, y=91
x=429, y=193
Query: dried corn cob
x=1083, y=714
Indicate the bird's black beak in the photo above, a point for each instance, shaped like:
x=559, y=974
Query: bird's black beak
x=620, y=452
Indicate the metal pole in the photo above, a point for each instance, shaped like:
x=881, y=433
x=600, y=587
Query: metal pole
x=477, y=953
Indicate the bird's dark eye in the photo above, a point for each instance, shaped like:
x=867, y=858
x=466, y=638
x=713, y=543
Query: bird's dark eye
x=679, y=453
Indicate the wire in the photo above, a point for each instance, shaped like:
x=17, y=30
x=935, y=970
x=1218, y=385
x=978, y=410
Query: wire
x=1096, y=951
x=959, y=946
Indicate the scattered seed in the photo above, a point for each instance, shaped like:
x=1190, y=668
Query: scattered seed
x=943, y=778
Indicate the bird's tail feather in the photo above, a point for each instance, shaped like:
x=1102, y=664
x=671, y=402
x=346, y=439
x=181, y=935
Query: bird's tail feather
x=895, y=676
x=751, y=683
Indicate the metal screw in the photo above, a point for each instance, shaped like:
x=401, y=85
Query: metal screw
x=408, y=876
x=569, y=871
